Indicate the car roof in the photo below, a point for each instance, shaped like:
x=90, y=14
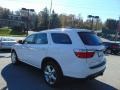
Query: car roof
x=65, y=30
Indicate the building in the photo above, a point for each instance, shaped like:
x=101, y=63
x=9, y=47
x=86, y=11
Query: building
x=12, y=21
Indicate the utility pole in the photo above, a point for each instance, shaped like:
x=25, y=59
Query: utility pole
x=50, y=14
x=28, y=22
x=92, y=20
x=117, y=30
x=28, y=18
x=97, y=18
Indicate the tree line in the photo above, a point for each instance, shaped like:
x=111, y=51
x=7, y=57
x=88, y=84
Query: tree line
x=44, y=20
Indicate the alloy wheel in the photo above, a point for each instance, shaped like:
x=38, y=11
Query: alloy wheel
x=50, y=74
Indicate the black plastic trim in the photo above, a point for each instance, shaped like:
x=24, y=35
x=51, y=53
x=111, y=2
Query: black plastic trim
x=99, y=65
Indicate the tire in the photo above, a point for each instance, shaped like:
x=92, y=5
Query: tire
x=115, y=52
x=14, y=58
x=52, y=74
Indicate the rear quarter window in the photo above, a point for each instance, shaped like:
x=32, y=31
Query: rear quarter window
x=61, y=38
x=90, y=38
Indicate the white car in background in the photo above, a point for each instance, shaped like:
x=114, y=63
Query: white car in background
x=6, y=42
x=76, y=53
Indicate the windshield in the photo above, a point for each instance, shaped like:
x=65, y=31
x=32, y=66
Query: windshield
x=90, y=38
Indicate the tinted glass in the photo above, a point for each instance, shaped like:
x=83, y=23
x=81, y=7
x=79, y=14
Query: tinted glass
x=116, y=44
x=29, y=39
x=61, y=38
x=90, y=38
x=41, y=38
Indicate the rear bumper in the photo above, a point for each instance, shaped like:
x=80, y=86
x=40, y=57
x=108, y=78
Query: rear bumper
x=99, y=65
x=6, y=47
x=92, y=76
x=83, y=71
x=96, y=74
x=113, y=49
x=116, y=50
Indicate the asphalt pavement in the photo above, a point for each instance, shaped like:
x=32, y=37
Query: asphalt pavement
x=25, y=77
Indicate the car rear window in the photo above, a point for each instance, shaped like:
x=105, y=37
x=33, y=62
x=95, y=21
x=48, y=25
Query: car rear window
x=90, y=38
x=61, y=38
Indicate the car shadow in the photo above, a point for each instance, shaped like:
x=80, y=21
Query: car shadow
x=25, y=77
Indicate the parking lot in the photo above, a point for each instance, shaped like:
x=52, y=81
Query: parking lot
x=25, y=77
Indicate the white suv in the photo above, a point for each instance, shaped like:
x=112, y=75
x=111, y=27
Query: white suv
x=76, y=53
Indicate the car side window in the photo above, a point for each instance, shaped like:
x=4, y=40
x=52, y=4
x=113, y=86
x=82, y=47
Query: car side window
x=29, y=40
x=41, y=38
x=61, y=38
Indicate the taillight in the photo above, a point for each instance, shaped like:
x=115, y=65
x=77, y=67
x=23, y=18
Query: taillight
x=114, y=46
x=84, y=53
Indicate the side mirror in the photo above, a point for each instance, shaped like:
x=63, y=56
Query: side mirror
x=20, y=41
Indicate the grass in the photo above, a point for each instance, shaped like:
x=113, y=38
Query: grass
x=5, y=31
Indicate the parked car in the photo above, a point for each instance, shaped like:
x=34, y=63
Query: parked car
x=6, y=43
x=107, y=45
x=112, y=47
x=76, y=53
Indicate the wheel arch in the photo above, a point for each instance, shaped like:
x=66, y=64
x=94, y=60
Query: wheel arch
x=50, y=59
x=12, y=50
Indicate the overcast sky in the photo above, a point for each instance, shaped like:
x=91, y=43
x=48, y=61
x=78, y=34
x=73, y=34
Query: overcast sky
x=103, y=8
